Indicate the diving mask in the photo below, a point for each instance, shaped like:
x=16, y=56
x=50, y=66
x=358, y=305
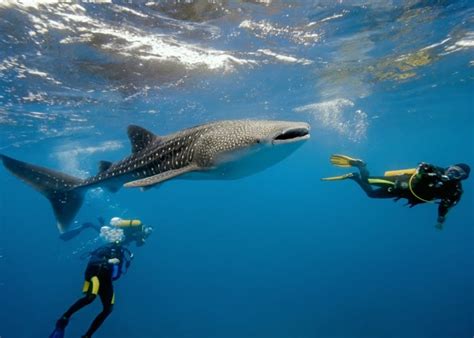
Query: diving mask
x=456, y=173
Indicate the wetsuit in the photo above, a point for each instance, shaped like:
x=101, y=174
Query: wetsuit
x=99, y=275
x=428, y=184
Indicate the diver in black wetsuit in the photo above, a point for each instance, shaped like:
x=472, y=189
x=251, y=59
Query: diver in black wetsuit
x=106, y=264
x=424, y=184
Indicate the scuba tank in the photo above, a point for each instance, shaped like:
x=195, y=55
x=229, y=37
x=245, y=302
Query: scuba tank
x=122, y=223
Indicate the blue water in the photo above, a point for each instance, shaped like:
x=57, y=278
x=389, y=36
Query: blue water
x=279, y=254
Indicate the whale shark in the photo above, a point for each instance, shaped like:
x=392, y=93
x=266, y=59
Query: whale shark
x=228, y=149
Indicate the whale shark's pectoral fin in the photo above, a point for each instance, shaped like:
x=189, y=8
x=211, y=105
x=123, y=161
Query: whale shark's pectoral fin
x=155, y=179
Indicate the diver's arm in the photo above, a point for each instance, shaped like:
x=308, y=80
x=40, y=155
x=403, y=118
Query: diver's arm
x=123, y=257
x=112, y=254
x=114, y=257
x=446, y=204
x=127, y=257
x=442, y=212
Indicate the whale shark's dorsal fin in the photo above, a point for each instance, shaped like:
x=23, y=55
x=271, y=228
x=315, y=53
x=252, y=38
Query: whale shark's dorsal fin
x=140, y=138
x=104, y=165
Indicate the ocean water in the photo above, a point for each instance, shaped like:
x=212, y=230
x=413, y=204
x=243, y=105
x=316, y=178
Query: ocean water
x=279, y=254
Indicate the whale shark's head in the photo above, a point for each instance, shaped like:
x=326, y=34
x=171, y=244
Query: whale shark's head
x=242, y=147
x=275, y=132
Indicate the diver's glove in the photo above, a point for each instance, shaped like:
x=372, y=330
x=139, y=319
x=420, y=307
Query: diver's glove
x=147, y=231
x=440, y=223
x=113, y=261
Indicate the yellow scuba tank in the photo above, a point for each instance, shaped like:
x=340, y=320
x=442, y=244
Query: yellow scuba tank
x=410, y=171
x=123, y=223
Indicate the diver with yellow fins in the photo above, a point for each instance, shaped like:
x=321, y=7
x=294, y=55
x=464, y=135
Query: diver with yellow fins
x=106, y=264
x=424, y=184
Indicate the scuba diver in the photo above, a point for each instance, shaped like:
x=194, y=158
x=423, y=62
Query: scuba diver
x=134, y=230
x=106, y=264
x=424, y=184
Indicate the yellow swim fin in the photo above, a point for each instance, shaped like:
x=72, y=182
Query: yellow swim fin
x=410, y=171
x=338, y=178
x=345, y=161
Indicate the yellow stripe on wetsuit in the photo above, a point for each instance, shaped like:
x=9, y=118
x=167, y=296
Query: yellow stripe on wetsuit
x=380, y=181
x=94, y=282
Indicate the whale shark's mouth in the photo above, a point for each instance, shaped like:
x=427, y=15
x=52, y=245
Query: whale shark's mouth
x=292, y=135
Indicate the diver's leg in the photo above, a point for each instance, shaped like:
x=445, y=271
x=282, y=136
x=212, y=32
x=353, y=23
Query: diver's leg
x=90, y=289
x=383, y=192
x=362, y=178
x=84, y=301
x=106, y=294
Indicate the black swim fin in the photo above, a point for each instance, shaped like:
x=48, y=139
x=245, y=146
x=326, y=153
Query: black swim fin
x=60, y=327
x=57, y=333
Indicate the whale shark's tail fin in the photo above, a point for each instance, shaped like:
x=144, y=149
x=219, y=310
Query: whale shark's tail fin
x=61, y=189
